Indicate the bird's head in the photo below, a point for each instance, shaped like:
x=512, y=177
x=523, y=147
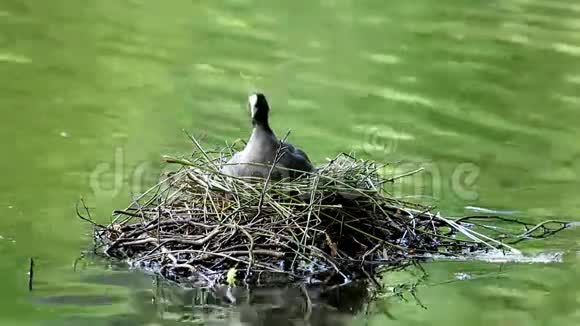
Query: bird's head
x=259, y=109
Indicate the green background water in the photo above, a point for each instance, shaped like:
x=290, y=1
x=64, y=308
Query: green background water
x=485, y=94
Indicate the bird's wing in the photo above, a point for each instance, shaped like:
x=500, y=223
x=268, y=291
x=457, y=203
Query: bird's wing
x=300, y=152
x=289, y=147
x=294, y=150
x=295, y=161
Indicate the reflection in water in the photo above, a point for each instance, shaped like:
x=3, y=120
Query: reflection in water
x=280, y=306
x=153, y=300
x=150, y=299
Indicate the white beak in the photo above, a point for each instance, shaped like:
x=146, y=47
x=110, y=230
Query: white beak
x=253, y=100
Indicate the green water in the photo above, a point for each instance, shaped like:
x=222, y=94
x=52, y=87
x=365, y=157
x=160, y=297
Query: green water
x=482, y=93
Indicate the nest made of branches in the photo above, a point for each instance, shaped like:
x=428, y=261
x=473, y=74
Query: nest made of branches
x=331, y=226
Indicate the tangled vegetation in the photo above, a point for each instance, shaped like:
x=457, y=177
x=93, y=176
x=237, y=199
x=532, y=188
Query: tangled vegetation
x=329, y=227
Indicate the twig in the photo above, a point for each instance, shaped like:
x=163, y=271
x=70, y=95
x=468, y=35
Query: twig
x=30, y=274
x=277, y=158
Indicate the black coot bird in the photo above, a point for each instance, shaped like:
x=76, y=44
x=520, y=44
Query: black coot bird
x=261, y=148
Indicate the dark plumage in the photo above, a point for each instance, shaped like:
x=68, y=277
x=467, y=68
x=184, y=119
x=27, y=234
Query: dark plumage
x=262, y=146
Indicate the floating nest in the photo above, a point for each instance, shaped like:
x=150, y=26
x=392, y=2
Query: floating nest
x=330, y=227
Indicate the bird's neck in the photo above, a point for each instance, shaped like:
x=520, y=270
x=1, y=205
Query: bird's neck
x=261, y=130
x=261, y=125
x=262, y=135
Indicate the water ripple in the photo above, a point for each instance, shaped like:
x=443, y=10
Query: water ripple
x=570, y=49
x=382, y=58
x=14, y=58
x=402, y=96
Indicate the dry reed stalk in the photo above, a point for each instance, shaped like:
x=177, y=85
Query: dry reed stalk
x=329, y=227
